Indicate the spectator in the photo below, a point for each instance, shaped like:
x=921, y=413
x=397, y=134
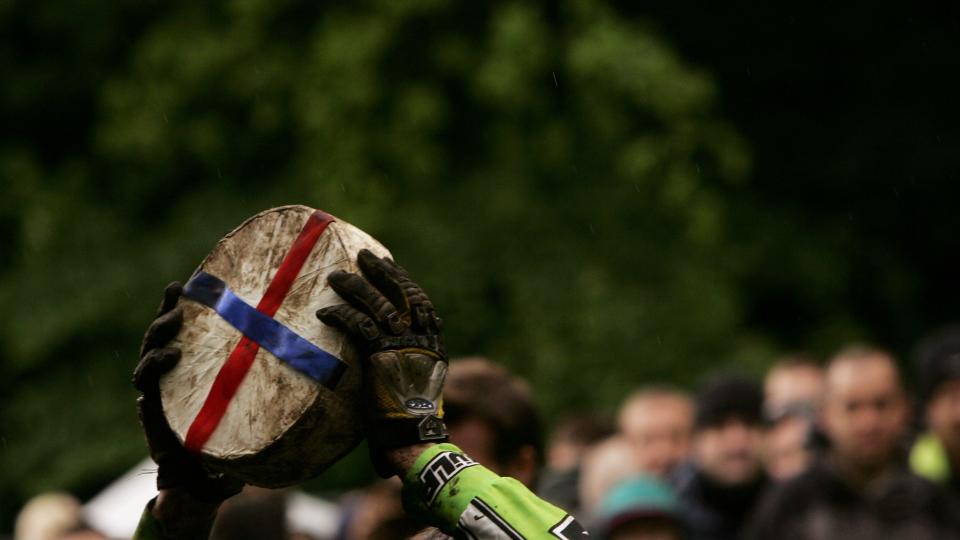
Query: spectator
x=719, y=487
x=657, y=422
x=641, y=508
x=793, y=383
x=491, y=416
x=793, y=394
x=787, y=450
x=606, y=464
x=53, y=516
x=861, y=488
x=570, y=441
x=376, y=513
x=255, y=514
x=936, y=455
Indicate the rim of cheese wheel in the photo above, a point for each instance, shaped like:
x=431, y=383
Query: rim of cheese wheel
x=281, y=426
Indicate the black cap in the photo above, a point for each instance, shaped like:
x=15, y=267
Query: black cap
x=724, y=395
x=937, y=360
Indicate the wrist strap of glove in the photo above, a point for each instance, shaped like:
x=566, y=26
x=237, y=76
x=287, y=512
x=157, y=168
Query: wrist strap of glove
x=387, y=434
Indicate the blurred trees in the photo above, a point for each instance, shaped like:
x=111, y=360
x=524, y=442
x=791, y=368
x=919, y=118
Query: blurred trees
x=559, y=179
x=852, y=117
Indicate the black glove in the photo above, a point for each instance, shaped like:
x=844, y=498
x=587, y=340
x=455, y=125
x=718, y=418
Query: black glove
x=177, y=468
x=397, y=332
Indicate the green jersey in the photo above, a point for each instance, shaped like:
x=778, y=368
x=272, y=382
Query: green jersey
x=464, y=499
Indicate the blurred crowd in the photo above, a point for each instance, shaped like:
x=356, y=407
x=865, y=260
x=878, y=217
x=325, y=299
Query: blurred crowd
x=815, y=450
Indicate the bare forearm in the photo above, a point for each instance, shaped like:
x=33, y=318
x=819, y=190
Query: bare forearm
x=403, y=458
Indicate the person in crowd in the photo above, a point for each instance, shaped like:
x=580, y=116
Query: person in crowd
x=936, y=454
x=721, y=484
x=492, y=417
x=639, y=508
x=860, y=488
x=787, y=448
x=254, y=514
x=606, y=464
x=569, y=442
x=572, y=438
x=793, y=382
x=793, y=394
x=376, y=513
x=397, y=332
x=53, y=516
x=657, y=421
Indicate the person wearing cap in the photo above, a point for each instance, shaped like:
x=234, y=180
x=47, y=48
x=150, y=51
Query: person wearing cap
x=720, y=485
x=859, y=488
x=639, y=508
x=936, y=454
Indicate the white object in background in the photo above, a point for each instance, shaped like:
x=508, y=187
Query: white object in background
x=314, y=516
x=116, y=510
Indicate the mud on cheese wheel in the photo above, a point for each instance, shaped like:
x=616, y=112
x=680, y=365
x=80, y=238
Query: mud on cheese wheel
x=264, y=391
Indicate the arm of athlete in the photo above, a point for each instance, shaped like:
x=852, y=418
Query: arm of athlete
x=450, y=491
x=395, y=327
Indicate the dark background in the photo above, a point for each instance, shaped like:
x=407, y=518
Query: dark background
x=596, y=194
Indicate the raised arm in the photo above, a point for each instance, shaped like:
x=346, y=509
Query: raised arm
x=395, y=327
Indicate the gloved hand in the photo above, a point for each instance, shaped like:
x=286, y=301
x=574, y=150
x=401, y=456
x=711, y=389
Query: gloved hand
x=397, y=332
x=177, y=468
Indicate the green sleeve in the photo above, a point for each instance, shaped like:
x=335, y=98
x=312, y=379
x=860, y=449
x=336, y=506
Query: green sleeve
x=149, y=527
x=466, y=500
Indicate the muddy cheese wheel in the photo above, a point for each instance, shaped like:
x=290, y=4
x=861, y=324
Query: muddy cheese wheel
x=264, y=391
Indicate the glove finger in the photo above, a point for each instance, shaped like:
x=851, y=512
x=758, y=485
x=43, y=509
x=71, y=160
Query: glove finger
x=388, y=279
x=160, y=438
x=350, y=320
x=425, y=317
x=162, y=330
x=177, y=468
x=146, y=378
x=154, y=364
x=395, y=283
x=171, y=294
x=363, y=296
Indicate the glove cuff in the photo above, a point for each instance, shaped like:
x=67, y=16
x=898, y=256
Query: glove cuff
x=388, y=434
x=405, y=432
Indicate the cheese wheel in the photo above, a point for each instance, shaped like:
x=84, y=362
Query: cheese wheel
x=264, y=391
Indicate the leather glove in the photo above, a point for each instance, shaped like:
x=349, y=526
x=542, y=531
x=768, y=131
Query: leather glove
x=177, y=468
x=397, y=332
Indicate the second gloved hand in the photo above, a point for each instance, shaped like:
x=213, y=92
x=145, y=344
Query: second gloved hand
x=397, y=332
